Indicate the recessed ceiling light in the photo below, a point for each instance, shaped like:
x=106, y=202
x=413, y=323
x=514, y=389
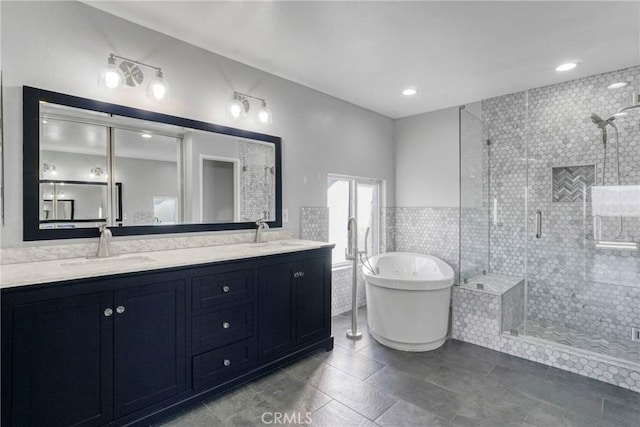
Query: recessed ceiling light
x=566, y=67
x=44, y=121
x=410, y=91
x=617, y=85
x=145, y=135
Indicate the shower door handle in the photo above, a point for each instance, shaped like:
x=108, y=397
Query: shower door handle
x=538, y=224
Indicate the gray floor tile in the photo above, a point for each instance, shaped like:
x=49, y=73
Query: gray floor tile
x=621, y=415
x=288, y=394
x=405, y=414
x=351, y=362
x=259, y=415
x=335, y=414
x=231, y=404
x=471, y=351
x=200, y=416
x=560, y=395
x=401, y=360
x=582, y=383
x=352, y=392
x=546, y=415
x=430, y=397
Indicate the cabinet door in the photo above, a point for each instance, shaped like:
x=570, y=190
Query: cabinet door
x=275, y=310
x=313, y=300
x=149, y=345
x=62, y=362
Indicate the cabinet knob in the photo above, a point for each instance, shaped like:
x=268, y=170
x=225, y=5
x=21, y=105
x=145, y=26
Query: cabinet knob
x=120, y=309
x=298, y=274
x=226, y=289
x=108, y=312
x=227, y=362
x=301, y=274
x=225, y=325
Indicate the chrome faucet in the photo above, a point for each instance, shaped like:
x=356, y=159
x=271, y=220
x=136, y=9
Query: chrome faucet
x=103, y=243
x=261, y=225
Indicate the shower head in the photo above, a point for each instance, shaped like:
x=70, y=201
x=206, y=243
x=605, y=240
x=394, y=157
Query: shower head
x=599, y=121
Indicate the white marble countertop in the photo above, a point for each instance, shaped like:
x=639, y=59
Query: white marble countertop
x=31, y=273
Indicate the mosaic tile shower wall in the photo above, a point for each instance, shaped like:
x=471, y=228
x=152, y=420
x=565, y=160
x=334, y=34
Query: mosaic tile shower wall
x=257, y=181
x=572, y=284
x=432, y=231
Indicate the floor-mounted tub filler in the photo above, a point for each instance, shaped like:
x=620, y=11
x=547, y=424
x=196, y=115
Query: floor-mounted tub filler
x=408, y=299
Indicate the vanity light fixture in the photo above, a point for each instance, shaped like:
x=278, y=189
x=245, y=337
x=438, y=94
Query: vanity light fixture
x=121, y=71
x=49, y=169
x=567, y=66
x=617, y=85
x=239, y=106
x=410, y=91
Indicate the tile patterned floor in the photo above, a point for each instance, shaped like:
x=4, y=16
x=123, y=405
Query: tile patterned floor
x=627, y=350
x=363, y=383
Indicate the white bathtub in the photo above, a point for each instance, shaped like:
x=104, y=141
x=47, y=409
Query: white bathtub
x=408, y=300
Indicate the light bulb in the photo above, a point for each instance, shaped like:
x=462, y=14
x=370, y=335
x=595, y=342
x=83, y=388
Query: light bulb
x=157, y=88
x=264, y=116
x=235, y=109
x=111, y=76
x=238, y=106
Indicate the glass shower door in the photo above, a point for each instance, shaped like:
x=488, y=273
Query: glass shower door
x=583, y=218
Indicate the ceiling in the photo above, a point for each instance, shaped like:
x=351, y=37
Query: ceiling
x=366, y=53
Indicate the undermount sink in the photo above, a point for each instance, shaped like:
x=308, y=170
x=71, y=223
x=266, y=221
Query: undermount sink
x=116, y=259
x=276, y=243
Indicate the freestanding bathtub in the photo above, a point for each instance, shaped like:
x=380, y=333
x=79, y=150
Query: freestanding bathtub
x=408, y=300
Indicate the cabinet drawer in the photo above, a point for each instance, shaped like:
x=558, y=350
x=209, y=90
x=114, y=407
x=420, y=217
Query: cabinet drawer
x=215, y=289
x=222, y=327
x=219, y=365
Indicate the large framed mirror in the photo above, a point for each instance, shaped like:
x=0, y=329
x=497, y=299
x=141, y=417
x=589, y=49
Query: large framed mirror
x=88, y=162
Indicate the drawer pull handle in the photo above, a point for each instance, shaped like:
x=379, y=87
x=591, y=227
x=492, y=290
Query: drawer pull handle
x=120, y=309
x=227, y=362
x=225, y=325
x=226, y=289
x=108, y=312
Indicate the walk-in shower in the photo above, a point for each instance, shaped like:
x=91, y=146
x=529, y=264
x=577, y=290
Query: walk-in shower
x=552, y=202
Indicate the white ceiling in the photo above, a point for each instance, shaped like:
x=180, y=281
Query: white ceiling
x=367, y=52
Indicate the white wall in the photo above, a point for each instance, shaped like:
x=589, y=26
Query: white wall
x=427, y=152
x=62, y=46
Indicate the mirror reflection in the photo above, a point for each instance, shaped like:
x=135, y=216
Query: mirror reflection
x=97, y=167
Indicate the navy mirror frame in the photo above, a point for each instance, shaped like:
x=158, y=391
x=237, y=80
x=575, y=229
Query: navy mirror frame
x=31, y=161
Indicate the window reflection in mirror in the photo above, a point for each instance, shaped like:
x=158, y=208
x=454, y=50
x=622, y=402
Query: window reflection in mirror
x=165, y=174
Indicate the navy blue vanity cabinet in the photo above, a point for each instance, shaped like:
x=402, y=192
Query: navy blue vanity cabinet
x=90, y=358
x=149, y=345
x=134, y=348
x=294, y=305
x=61, y=362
